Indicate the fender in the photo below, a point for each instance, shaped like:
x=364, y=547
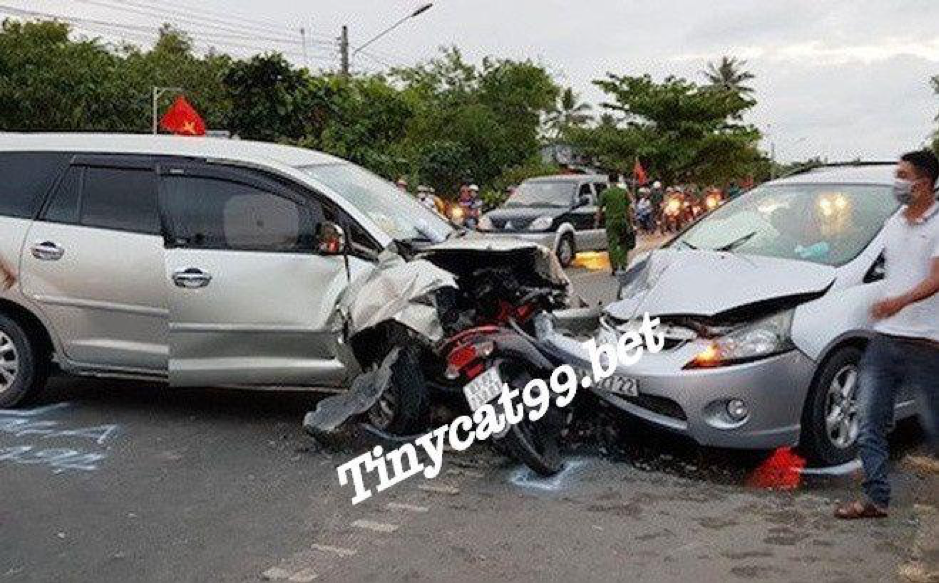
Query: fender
x=563, y=229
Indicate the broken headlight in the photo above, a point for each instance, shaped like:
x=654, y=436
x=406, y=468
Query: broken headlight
x=765, y=337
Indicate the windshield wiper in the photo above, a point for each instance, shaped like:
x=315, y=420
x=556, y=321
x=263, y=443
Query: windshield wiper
x=736, y=242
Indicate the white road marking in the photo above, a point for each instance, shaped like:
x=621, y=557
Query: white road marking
x=406, y=507
x=342, y=552
x=463, y=472
x=303, y=576
x=449, y=490
x=275, y=574
x=376, y=526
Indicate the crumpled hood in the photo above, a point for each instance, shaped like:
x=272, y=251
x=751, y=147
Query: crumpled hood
x=706, y=283
x=397, y=290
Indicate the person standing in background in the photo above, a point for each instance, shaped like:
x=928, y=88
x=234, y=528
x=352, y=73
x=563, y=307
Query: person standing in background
x=905, y=346
x=614, y=209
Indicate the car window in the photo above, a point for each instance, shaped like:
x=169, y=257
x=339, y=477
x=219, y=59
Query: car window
x=822, y=223
x=120, y=198
x=542, y=193
x=63, y=205
x=210, y=213
x=25, y=178
x=599, y=187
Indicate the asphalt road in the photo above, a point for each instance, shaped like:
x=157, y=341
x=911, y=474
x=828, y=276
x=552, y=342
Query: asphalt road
x=120, y=481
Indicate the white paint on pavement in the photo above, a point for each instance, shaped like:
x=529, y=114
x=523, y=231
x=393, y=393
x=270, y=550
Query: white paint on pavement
x=406, y=507
x=375, y=526
x=449, y=490
x=341, y=551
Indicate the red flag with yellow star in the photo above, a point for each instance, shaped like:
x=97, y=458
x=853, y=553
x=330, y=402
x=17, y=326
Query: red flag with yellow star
x=182, y=119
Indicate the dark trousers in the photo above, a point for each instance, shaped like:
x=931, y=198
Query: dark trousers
x=890, y=363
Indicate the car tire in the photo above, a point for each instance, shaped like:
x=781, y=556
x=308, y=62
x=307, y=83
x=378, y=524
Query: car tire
x=829, y=417
x=405, y=404
x=567, y=250
x=24, y=367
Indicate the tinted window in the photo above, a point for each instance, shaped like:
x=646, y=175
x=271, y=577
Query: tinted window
x=218, y=214
x=63, y=206
x=120, y=198
x=25, y=177
x=542, y=193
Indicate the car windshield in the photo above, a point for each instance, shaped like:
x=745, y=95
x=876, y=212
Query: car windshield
x=398, y=214
x=531, y=194
x=822, y=223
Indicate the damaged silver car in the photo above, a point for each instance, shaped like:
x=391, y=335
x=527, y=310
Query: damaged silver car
x=764, y=305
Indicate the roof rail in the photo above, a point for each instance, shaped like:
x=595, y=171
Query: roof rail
x=855, y=163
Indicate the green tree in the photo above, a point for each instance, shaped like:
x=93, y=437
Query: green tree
x=51, y=83
x=729, y=74
x=172, y=62
x=681, y=131
x=569, y=112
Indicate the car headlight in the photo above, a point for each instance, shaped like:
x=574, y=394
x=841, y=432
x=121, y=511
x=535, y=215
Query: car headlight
x=541, y=224
x=759, y=339
x=485, y=223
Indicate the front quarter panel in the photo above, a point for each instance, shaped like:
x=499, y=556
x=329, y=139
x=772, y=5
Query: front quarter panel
x=839, y=315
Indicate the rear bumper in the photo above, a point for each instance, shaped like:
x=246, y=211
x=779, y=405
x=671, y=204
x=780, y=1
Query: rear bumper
x=694, y=402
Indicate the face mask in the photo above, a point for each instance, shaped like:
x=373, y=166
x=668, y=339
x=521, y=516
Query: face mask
x=903, y=190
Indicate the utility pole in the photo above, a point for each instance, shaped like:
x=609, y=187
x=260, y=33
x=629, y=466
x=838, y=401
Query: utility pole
x=155, y=98
x=306, y=57
x=344, y=51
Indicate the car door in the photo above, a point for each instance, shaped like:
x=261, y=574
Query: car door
x=251, y=300
x=589, y=235
x=93, y=263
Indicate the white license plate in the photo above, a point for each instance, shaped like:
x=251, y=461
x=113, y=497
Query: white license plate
x=623, y=386
x=483, y=388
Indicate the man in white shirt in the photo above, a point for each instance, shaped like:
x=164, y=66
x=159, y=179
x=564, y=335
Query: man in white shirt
x=905, y=347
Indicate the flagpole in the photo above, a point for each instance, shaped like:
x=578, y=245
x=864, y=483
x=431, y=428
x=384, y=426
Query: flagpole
x=156, y=92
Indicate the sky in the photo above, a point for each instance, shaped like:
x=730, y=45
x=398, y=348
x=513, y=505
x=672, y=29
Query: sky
x=838, y=79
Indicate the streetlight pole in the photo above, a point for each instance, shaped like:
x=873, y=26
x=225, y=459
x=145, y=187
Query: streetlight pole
x=155, y=98
x=344, y=40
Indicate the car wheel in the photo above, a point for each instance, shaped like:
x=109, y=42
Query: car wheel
x=23, y=367
x=566, y=250
x=830, y=416
x=405, y=403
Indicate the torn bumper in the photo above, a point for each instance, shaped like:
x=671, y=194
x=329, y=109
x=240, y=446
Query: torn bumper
x=545, y=239
x=694, y=402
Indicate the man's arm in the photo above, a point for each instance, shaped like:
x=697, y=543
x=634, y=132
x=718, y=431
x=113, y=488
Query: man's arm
x=925, y=289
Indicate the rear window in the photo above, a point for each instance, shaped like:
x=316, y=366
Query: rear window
x=25, y=178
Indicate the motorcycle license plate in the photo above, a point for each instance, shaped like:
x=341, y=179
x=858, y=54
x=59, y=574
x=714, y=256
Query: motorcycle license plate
x=623, y=386
x=483, y=388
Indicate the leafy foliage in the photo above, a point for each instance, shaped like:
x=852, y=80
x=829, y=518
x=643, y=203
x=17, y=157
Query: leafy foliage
x=681, y=131
x=728, y=74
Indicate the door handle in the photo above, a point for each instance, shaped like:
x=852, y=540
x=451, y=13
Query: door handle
x=191, y=278
x=47, y=251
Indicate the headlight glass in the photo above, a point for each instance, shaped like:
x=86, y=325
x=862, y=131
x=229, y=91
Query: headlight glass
x=541, y=224
x=759, y=339
x=485, y=223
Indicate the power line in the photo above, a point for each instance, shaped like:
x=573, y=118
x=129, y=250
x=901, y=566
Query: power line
x=149, y=34
x=175, y=18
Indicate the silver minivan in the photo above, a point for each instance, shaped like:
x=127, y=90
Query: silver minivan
x=196, y=261
x=765, y=308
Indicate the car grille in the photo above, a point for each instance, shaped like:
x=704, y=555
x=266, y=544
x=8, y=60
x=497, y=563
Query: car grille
x=659, y=405
x=511, y=224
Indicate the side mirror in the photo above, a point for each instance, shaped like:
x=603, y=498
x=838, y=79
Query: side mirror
x=332, y=239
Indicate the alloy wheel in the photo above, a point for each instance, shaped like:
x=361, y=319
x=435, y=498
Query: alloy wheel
x=382, y=414
x=841, y=410
x=9, y=362
x=565, y=252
